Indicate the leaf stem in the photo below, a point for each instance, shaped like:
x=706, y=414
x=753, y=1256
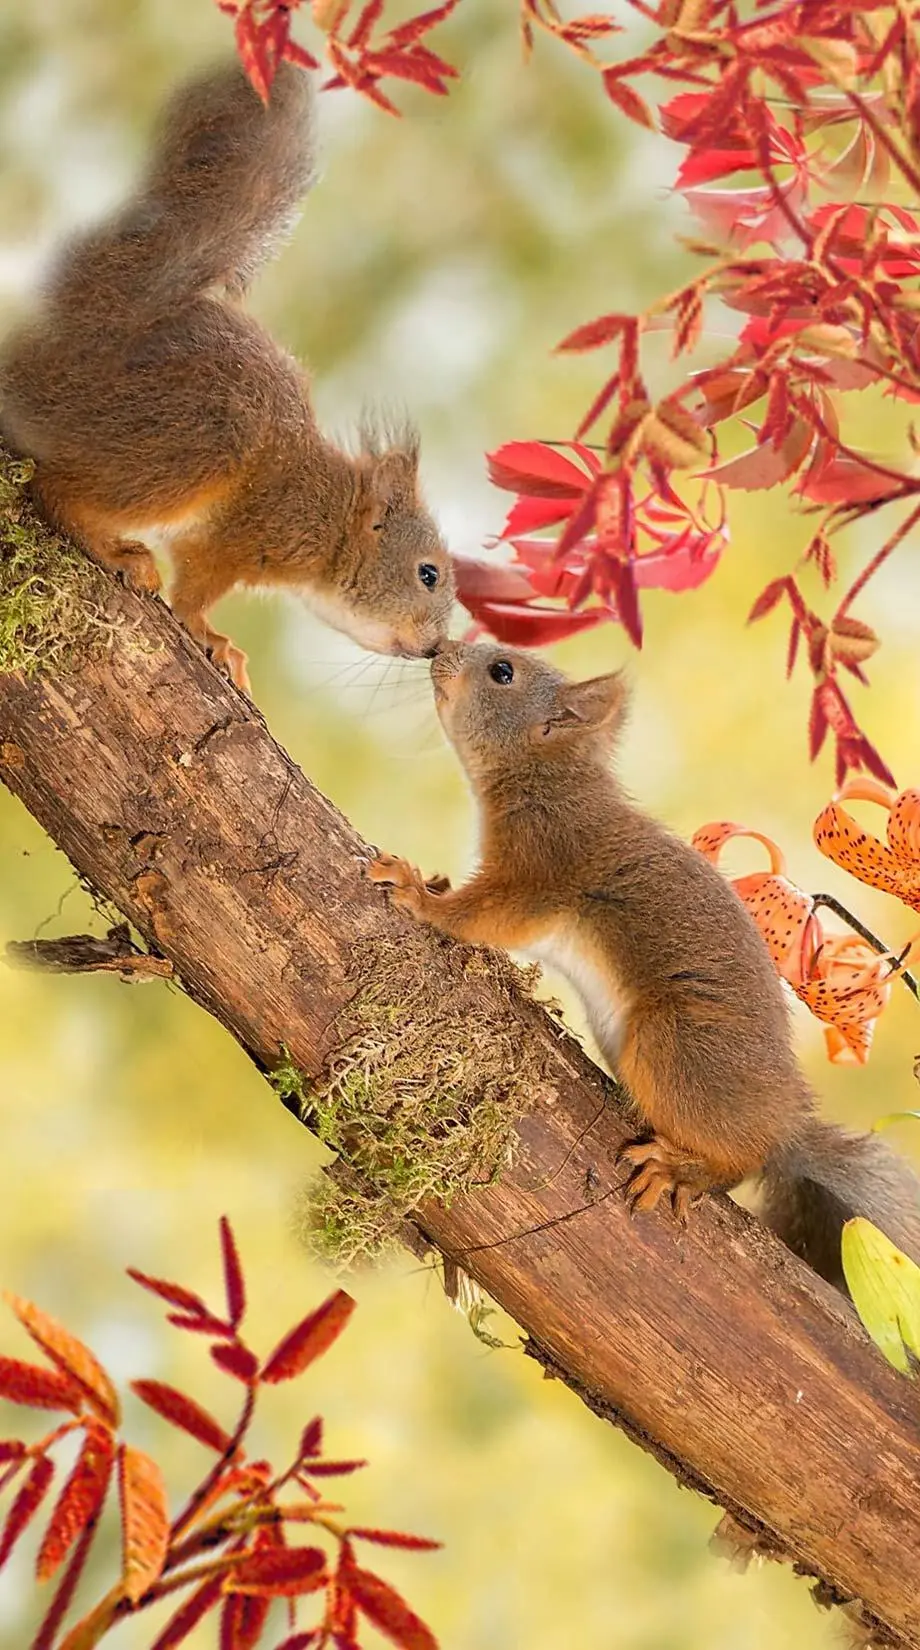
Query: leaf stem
x=204, y=1489
x=880, y=556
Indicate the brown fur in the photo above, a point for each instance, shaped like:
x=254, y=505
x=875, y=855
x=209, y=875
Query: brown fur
x=150, y=400
x=572, y=869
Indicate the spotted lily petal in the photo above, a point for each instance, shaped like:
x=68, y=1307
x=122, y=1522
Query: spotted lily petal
x=849, y=987
x=784, y=915
x=894, y=867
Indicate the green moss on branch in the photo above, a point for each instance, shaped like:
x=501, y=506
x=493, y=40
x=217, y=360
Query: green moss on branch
x=52, y=597
x=421, y=1098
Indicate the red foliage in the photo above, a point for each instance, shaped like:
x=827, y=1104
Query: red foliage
x=226, y=1550
x=360, y=56
x=806, y=116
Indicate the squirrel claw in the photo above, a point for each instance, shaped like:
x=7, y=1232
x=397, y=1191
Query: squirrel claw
x=406, y=884
x=661, y=1170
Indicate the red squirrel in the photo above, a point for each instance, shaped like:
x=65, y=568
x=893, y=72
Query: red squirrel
x=150, y=401
x=679, y=989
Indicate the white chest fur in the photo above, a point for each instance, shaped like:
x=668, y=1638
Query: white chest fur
x=604, y=1004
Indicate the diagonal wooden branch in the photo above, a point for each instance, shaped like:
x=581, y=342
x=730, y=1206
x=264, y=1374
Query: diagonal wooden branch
x=713, y=1348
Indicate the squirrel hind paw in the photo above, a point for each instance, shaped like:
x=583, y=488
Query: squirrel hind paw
x=660, y=1169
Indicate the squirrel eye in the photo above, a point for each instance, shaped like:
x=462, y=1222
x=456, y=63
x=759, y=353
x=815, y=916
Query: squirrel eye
x=428, y=574
x=378, y=526
x=502, y=671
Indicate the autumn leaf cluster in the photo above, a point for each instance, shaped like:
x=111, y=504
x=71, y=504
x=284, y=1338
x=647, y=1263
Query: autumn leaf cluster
x=234, y=1547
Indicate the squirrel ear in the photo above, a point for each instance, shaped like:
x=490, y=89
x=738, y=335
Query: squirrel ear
x=393, y=476
x=588, y=706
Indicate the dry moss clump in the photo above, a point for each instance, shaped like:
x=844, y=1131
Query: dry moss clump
x=51, y=595
x=420, y=1099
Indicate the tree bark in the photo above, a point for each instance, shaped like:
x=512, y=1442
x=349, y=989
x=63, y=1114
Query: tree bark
x=713, y=1347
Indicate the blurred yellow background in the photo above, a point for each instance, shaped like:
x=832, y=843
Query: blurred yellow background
x=437, y=263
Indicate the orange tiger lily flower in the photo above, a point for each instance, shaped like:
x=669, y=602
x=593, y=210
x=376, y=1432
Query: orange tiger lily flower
x=893, y=866
x=838, y=977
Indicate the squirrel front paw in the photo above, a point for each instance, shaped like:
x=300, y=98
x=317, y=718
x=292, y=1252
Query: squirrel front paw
x=408, y=888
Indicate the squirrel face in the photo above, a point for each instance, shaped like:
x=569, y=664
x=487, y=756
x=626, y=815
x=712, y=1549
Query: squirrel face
x=500, y=707
x=399, y=586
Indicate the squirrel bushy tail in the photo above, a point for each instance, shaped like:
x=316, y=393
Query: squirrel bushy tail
x=221, y=189
x=824, y=1178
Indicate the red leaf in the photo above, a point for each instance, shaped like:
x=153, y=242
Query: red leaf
x=293, y=53
x=363, y=29
x=311, y=1439
x=242, y=1621
x=309, y=1339
x=706, y=164
x=845, y=481
x=206, y=1325
x=396, y=1538
x=144, y=1521
x=233, y=1273
x=26, y=1504
x=528, y=515
x=183, y=1412
x=280, y=1572
x=531, y=467
x=533, y=626
x=626, y=597
x=236, y=1360
x=627, y=99
x=330, y=1469
x=598, y=405
x=71, y=1356
x=767, y=600
x=594, y=333
x=47, y=1636
x=40, y=1388
x=765, y=465
x=416, y=26
x=300, y=1641
x=407, y=67
x=80, y=1501
x=254, y=52
x=493, y=581
x=817, y=724
x=11, y=1449
x=180, y=1625
x=391, y=1614
x=172, y=1292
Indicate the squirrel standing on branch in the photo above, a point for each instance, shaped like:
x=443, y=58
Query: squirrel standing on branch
x=678, y=985
x=150, y=401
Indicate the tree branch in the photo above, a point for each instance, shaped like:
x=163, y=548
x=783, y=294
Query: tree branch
x=713, y=1347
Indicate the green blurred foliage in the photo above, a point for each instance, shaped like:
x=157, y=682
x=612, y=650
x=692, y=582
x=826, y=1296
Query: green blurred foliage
x=437, y=263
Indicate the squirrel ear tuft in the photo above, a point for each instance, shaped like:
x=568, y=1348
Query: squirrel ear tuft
x=393, y=475
x=585, y=706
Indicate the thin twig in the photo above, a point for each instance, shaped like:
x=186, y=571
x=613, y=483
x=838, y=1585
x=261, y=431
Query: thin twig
x=866, y=934
x=877, y=560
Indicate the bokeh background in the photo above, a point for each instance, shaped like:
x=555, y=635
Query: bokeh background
x=437, y=263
